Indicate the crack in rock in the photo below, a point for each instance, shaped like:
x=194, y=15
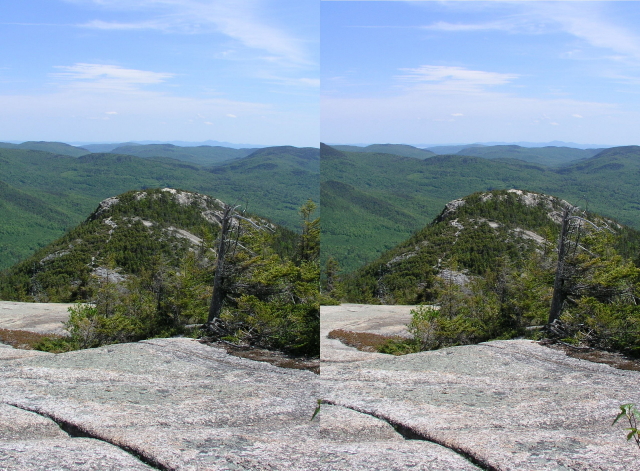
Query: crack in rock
x=75, y=431
x=409, y=433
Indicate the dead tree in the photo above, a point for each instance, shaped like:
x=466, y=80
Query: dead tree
x=559, y=293
x=228, y=220
x=218, y=295
x=566, y=282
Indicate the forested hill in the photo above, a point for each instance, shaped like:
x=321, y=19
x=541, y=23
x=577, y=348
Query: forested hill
x=273, y=182
x=45, y=146
x=469, y=238
x=550, y=156
x=202, y=155
x=395, y=149
x=135, y=232
x=146, y=262
x=205, y=155
x=357, y=228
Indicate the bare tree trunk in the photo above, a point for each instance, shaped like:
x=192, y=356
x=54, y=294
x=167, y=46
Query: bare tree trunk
x=559, y=294
x=218, y=293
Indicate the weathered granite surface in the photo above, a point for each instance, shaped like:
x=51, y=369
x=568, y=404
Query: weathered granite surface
x=30, y=441
x=43, y=318
x=382, y=320
x=7, y=352
x=511, y=405
x=179, y=404
x=183, y=405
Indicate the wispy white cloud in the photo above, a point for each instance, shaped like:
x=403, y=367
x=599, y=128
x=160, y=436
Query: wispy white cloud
x=453, y=79
x=114, y=25
x=246, y=21
x=590, y=23
x=585, y=20
x=79, y=114
x=294, y=84
x=311, y=82
x=105, y=76
x=464, y=27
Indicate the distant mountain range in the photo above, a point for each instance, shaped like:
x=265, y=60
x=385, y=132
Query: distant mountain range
x=90, y=145
x=53, y=147
x=202, y=154
x=373, y=201
x=42, y=194
x=548, y=155
x=373, y=197
x=477, y=144
x=396, y=149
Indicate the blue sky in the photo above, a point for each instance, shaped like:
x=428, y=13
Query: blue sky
x=427, y=72
x=117, y=70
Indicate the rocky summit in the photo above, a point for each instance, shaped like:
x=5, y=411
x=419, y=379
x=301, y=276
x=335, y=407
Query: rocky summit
x=471, y=236
x=124, y=236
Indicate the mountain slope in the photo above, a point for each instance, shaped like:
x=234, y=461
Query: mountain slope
x=147, y=262
x=107, y=147
x=273, y=181
x=446, y=150
x=395, y=149
x=352, y=215
x=133, y=232
x=53, y=147
x=605, y=183
x=202, y=155
x=549, y=156
x=412, y=187
x=468, y=238
x=28, y=219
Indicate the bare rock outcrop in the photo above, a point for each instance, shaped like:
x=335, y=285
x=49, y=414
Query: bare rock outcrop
x=506, y=405
x=179, y=404
x=31, y=441
x=43, y=318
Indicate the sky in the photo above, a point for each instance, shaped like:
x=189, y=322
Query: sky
x=431, y=72
x=240, y=71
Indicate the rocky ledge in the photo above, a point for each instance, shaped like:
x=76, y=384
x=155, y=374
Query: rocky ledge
x=505, y=405
x=179, y=404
